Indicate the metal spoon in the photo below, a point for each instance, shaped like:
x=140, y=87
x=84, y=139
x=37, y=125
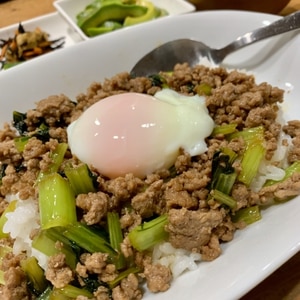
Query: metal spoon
x=167, y=55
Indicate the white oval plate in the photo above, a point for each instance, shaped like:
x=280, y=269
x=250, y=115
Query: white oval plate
x=255, y=251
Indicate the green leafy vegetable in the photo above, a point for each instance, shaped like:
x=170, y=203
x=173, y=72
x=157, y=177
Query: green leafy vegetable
x=149, y=233
x=250, y=162
x=223, y=198
x=203, y=89
x=2, y=171
x=35, y=275
x=86, y=238
x=253, y=154
x=123, y=275
x=46, y=294
x=20, y=142
x=56, y=202
x=69, y=292
x=91, y=282
x=42, y=133
x=116, y=238
x=158, y=80
x=57, y=157
x=224, y=129
x=80, y=178
x=223, y=174
x=19, y=122
x=248, y=215
x=46, y=242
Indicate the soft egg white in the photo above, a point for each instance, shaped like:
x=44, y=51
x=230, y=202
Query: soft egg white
x=139, y=134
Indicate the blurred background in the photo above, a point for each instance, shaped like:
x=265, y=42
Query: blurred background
x=13, y=11
x=267, y=6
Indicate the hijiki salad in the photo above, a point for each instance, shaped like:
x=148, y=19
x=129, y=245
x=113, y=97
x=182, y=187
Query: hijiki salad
x=138, y=180
x=25, y=45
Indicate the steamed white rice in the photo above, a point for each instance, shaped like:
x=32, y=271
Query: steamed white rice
x=178, y=260
x=20, y=224
x=274, y=169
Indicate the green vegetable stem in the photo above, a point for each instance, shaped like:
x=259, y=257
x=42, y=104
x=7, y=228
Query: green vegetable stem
x=46, y=240
x=116, y=238
x=57, y=156
x=248, y=215
x=149, y=233
x=69, y=292
x=80, y=179
x=35, y=274
x=223, y=198
x=253, y=154
x=86, y=238
x=56, y=202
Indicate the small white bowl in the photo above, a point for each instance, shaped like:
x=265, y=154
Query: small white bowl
x=70, y=8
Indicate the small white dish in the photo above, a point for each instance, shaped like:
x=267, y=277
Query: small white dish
x=69, y=9
x=51, y=23
x=255, y=251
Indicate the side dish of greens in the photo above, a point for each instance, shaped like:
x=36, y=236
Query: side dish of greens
x=102, y=16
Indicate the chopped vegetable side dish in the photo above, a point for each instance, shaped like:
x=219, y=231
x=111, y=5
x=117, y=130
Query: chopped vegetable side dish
x=26, y=45
x=69, y=232
x=102, y=16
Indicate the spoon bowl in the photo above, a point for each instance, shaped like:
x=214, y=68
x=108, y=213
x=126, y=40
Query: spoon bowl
x=166, y=56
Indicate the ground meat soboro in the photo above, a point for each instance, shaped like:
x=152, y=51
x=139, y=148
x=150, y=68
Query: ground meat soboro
x=196, y=220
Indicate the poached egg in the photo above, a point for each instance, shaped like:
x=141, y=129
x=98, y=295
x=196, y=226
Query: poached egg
x=138, y=133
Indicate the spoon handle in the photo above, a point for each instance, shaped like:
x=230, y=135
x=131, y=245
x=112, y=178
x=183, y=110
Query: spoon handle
x=285, y=24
